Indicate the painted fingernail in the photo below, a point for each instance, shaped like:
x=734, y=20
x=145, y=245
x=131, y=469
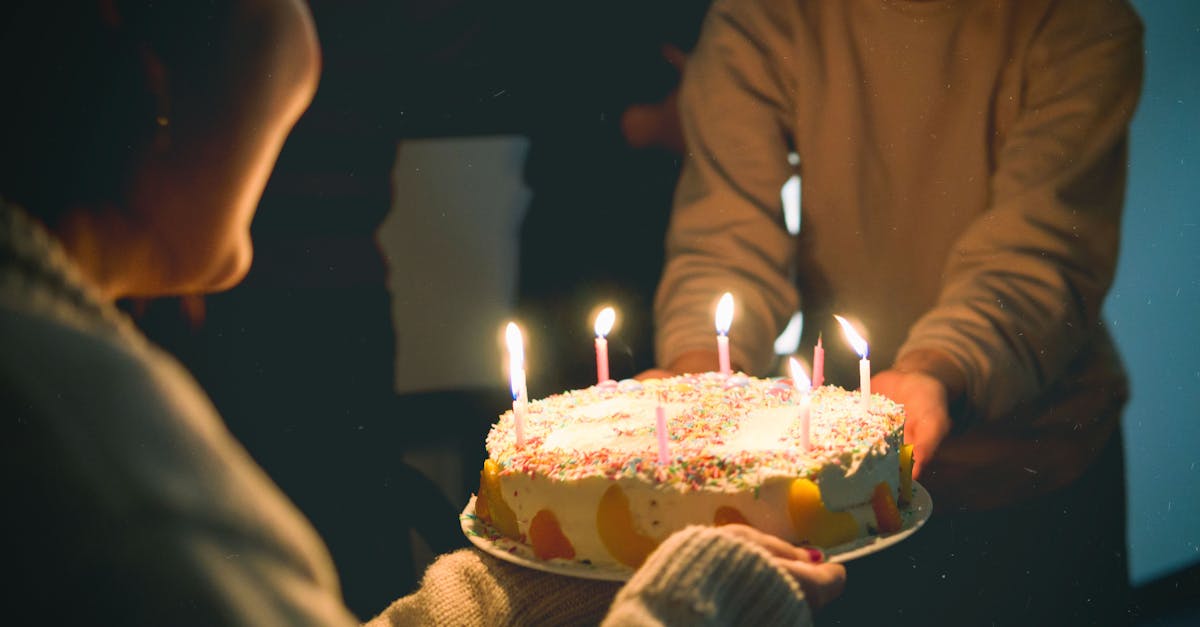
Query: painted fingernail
x=815, y=555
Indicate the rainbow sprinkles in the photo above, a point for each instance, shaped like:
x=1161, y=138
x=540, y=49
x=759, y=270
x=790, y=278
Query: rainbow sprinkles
x=587, y=483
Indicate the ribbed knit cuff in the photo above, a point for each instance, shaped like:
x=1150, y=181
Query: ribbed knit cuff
x=468, y=587
x=704, y=576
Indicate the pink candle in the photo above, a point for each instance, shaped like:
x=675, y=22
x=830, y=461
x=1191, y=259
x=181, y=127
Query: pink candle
x=516, y=373
x=604, y=324
x=601, y=360
x=804, y=387
x=805, y=422
x=818, y=378
x=864, y=364
x=660, y=430
x=724, y=320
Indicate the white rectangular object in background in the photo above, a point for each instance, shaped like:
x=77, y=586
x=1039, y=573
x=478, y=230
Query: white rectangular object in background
x=451, y=244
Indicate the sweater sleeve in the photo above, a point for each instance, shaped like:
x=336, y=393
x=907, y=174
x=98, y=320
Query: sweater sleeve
x=727, y=231
x=1023, y=286
x=699, y=576
x=468, y=587
x=702, y=576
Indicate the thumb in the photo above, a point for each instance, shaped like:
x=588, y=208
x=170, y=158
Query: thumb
x=925, y=436
x=919, y=445
x=676, y=57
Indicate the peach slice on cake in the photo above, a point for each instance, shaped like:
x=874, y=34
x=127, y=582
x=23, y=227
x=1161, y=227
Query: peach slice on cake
x=490, y=505
x=906, y=466
x=887, y=515
x=614, y=523
x=726, y=515
x=547, y=537
x=813, y=522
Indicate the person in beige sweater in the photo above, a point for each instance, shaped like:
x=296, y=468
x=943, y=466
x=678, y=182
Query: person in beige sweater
x=963, y=171
x=127, y=500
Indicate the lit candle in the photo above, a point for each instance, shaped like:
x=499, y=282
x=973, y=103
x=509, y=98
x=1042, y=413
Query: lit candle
x=516, y=373
x=818, y=378
x=724, y=320
x=804, y=387
x=660, y=430
x=604, y=324
x=864, y=365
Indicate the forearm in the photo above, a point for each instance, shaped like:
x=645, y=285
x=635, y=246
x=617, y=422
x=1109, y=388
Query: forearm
x=726, y=232
x=701, y=576
x=698, y=576
x=469, y=588
x=1016, y=308
x=1023, y=286
x=687, y=297
x=938, y=365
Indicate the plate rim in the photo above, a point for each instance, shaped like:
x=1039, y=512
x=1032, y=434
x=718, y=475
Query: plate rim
x=915, y=515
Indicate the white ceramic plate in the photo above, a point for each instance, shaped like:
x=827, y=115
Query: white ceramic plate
x=490, y=541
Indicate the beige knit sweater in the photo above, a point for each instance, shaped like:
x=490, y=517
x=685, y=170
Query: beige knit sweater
x=963, y=168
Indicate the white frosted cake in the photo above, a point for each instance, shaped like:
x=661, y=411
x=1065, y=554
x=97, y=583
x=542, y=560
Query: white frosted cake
x=587, y=483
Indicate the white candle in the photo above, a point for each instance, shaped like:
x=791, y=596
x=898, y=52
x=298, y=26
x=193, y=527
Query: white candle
x=604, y=324
x=802, y=385
x=724, y=319
x=864, y=364
x=516, y=373
x=864, y=378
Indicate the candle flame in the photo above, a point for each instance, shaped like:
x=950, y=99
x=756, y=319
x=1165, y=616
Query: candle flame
x=800, y=380
x=516, y=357
x=852, y=336
x=516, y=345
x=725, y=313
x=604, y=321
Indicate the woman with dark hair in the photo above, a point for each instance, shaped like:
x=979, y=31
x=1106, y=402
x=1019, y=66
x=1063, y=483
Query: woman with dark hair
x=137, y=141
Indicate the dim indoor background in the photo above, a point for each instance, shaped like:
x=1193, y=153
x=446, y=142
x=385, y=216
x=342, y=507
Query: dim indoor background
x=305, y=363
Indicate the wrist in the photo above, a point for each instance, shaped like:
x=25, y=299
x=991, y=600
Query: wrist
x=938, y=365
x=707, y=575
x=695, y=361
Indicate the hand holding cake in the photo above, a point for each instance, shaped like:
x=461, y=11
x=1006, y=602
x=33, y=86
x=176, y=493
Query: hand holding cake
x=821, y=582
x=927, y=384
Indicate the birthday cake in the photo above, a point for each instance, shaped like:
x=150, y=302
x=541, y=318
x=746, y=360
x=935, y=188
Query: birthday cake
x=593, y=480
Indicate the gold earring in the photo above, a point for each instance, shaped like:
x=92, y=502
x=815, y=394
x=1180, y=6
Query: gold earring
x=156, y=79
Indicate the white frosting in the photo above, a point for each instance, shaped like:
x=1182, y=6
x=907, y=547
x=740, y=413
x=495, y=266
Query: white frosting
x=615, y=424
x=760, y=430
